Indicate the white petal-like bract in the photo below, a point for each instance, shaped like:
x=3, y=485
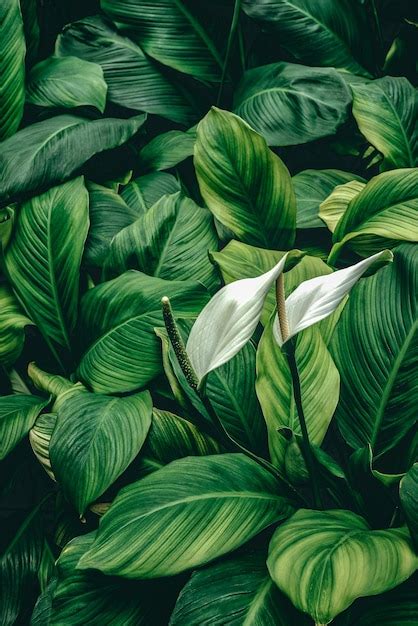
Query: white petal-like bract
x=228, y=321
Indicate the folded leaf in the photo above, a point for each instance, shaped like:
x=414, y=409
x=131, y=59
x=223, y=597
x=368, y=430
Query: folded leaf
x=334, y=206
x=167, y=150
x=12, y=324
x=143, y=192
x=17, y=416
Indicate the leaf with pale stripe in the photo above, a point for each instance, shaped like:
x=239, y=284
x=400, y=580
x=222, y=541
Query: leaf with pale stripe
x=17, y=416
x=40, y=437
x=374, y=348
x=12, y=324
x=334, y=206
x=186, y=514
x=324, y=560
x=245, y=185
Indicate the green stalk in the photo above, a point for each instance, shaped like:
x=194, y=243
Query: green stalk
x=231, y=37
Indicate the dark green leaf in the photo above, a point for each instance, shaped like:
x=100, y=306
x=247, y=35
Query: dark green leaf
x=143, y=192
x=17, y=416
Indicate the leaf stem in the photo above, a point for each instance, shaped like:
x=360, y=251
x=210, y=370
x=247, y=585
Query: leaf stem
x=231, y=37
x=305, y=443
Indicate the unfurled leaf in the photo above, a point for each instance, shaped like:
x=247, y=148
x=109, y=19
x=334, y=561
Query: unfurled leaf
x=143, y=192
x=245, y=185
x=17, y=416
x=95, y=439
x=185, y=515
x=324, y=560
x=334, y=206
x=12, y=324
x=134, y=81
x=51, y=151
x=228, y=321
x=66, y=83
x=290, y=104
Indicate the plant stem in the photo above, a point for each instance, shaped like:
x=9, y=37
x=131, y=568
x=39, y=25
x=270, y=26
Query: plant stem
x=305, y=444
x=232, y=30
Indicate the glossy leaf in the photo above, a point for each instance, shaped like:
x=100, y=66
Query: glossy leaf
x=374, y=351
x=291, y=104
x=133, y=80
x=49, y=152
x=185, y=515
x=143, y=192
x=17, y=416
x=40, y=436
x=12, y=63
x=122, y=352
x=12, y=324
x=334, y=206
x=66, y=83
x=324, y=560
x=245, y=185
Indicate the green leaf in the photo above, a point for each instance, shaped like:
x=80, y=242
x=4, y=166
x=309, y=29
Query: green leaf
x=12, y=324
x=43, y=259
x=381, y=215
x=245, y=185
x=325, y=33
x=167, y=150
x=311, y=188
x=12, y=63
x=118, y=320
x=17, y=416
x=40, y=436
x=30, y=16
x=174, y=235
x=66, y=83
x=185, y=515
x=133, y=80
x=235, y=591
x=95, y=439
x=408, y=493
x=386, y=111
x=374, y=350
x=168, y=32
x=51, y=151
x=108, y=214
x=324, y=560
x=335, y=205
x=291, y=104
x=143, y=192
x=398, y=607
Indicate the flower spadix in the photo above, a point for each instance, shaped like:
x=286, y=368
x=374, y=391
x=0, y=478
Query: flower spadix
x=228, y=321
x=315, y=299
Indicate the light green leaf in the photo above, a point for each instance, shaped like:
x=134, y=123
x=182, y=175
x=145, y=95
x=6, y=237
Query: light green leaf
x=170, y=33
x=40, y=437
x=12, y=63
x=95, y=439
x=17, y=416
x=374, y=350
x=245, y=185
x=237, y=591
x=43, y=259
x=12, y=324
x=335, y=205
x=386, y=111
x=325, y=33
x=66, y=83
x=134, y=81
x=167, y=150
x=51, y=151
x=185, y=515
x=143, y=192
x=408, y=493
x=291, y=104
x=324, y=560
x=118, y=320
x=384, y=213
x=173, y=236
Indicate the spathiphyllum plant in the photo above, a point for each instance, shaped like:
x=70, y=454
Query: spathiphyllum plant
x=208, y=313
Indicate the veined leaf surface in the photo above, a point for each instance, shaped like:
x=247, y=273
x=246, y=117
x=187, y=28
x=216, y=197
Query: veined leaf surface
x=17, y=416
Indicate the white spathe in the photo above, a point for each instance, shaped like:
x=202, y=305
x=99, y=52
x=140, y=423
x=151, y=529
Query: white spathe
x=228, y=321
x=315, y=299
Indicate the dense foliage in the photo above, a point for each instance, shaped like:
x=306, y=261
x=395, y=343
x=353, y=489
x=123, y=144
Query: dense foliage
x=167, y=148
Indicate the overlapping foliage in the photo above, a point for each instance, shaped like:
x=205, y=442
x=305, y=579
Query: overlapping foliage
x=167, y=148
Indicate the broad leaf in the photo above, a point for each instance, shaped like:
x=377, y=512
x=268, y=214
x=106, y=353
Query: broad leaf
x=381, y=215
x=324, y=560
x=170, y=33
x=237, y=591
x=325, y=33
x=17, y=416
x=291, y=104
x=118, y=320
x=167, y=150
x=133, y=80
x=386, y=111
x=12, y=63
x=12, y=324
x=245, y=185
x=185, y=515
x=335, y=205
x=174, y=235
x=43, y=259
x=374, y=350
x=143, y=192
x=95, y=439
x=51, y=151
x=66, y=83
x=408, y=493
